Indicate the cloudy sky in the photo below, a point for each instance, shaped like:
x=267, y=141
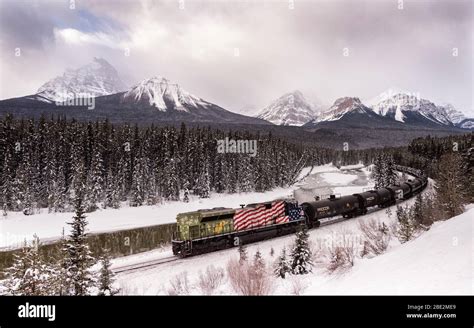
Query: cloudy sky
x=243, y=54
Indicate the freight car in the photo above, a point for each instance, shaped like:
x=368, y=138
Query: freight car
x=218, y=228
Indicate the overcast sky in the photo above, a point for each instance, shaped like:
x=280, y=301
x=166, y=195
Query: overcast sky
x=244, y=54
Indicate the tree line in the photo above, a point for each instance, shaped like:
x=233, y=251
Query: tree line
x=42, y=161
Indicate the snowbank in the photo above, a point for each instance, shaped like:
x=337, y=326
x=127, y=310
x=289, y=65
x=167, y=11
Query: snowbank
x=438, y=262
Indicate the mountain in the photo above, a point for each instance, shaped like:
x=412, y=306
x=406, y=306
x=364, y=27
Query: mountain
x=343, y=106
x=290, y=109
x=411, y=109
x=454, y=115
x=164, y=95
x=359, y=126
x=98, y=78
x=457, y=117
x=350, y=112
x=152, y=100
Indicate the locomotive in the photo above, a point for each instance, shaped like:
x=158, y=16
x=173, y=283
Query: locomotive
x=214, y=229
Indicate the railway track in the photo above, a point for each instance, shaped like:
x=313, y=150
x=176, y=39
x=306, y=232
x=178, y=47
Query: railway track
x=155, y=263
x=147, y=264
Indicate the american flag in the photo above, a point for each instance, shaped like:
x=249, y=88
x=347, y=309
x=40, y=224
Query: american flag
x=259, y=216
x=295, y=212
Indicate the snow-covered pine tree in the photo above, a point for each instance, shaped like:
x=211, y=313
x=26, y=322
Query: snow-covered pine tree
x=172, y=180
x=15, y=275
x=258, y=261
x=60, y=281
x=405, y=228
x=57, y=196
x=138, y=185
x=95, y=182
x=8, y=189
x=80, y=259
x=186, y=193
x=242, y=253
x=377, y=172
x=389, y=173
x=112, y=192
x=106, y=276
x=428, y=210
x=282, y=267
x=204, y=183
x=28, y=275
x=418, y=215
x=450, y=196
x=301, y=262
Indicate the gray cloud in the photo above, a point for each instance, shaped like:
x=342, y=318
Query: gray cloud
x=279, y=49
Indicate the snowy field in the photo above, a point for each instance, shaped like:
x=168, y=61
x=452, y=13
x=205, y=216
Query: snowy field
x=438, y=262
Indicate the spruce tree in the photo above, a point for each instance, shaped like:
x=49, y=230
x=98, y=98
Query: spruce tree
x=301, y=262
x=258, y=261
x=95, y=182
x=60, y=281
x=106, y=276
x=80, y=260
x=389, y=172
x=450, y=195
x=242, y=253
x=377, y=172
x=418, y=215
x=405, y=228
x=15, y=275
x=282, y=266
x=28, y=274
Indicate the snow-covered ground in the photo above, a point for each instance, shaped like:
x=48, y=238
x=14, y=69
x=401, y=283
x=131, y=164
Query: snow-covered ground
x=438, y=262
x=15, y=228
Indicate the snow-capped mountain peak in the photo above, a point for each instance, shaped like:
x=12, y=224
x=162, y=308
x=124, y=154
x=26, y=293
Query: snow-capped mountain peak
x=290, y=109
x=341, y=107
x=454, y=115
x=98, y=78
x=163, y=94
x=402, y=105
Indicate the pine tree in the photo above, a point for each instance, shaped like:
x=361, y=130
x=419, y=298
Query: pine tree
x=301, y=262
x=15, y=275
x=450, y=195
x=28, y=275
x=138, y=185
x=112, y=192
x=377, y=172
x=95, y=183
x=282, y=265
x=405, y=228
x=258, y=261
x=242, y=253
x=60, y=281
x=79, y=260
x=106, y=276
x=389, y=172
x=418, y=215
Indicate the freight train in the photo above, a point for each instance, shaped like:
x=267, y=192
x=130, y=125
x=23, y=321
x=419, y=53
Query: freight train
x=209, y=230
